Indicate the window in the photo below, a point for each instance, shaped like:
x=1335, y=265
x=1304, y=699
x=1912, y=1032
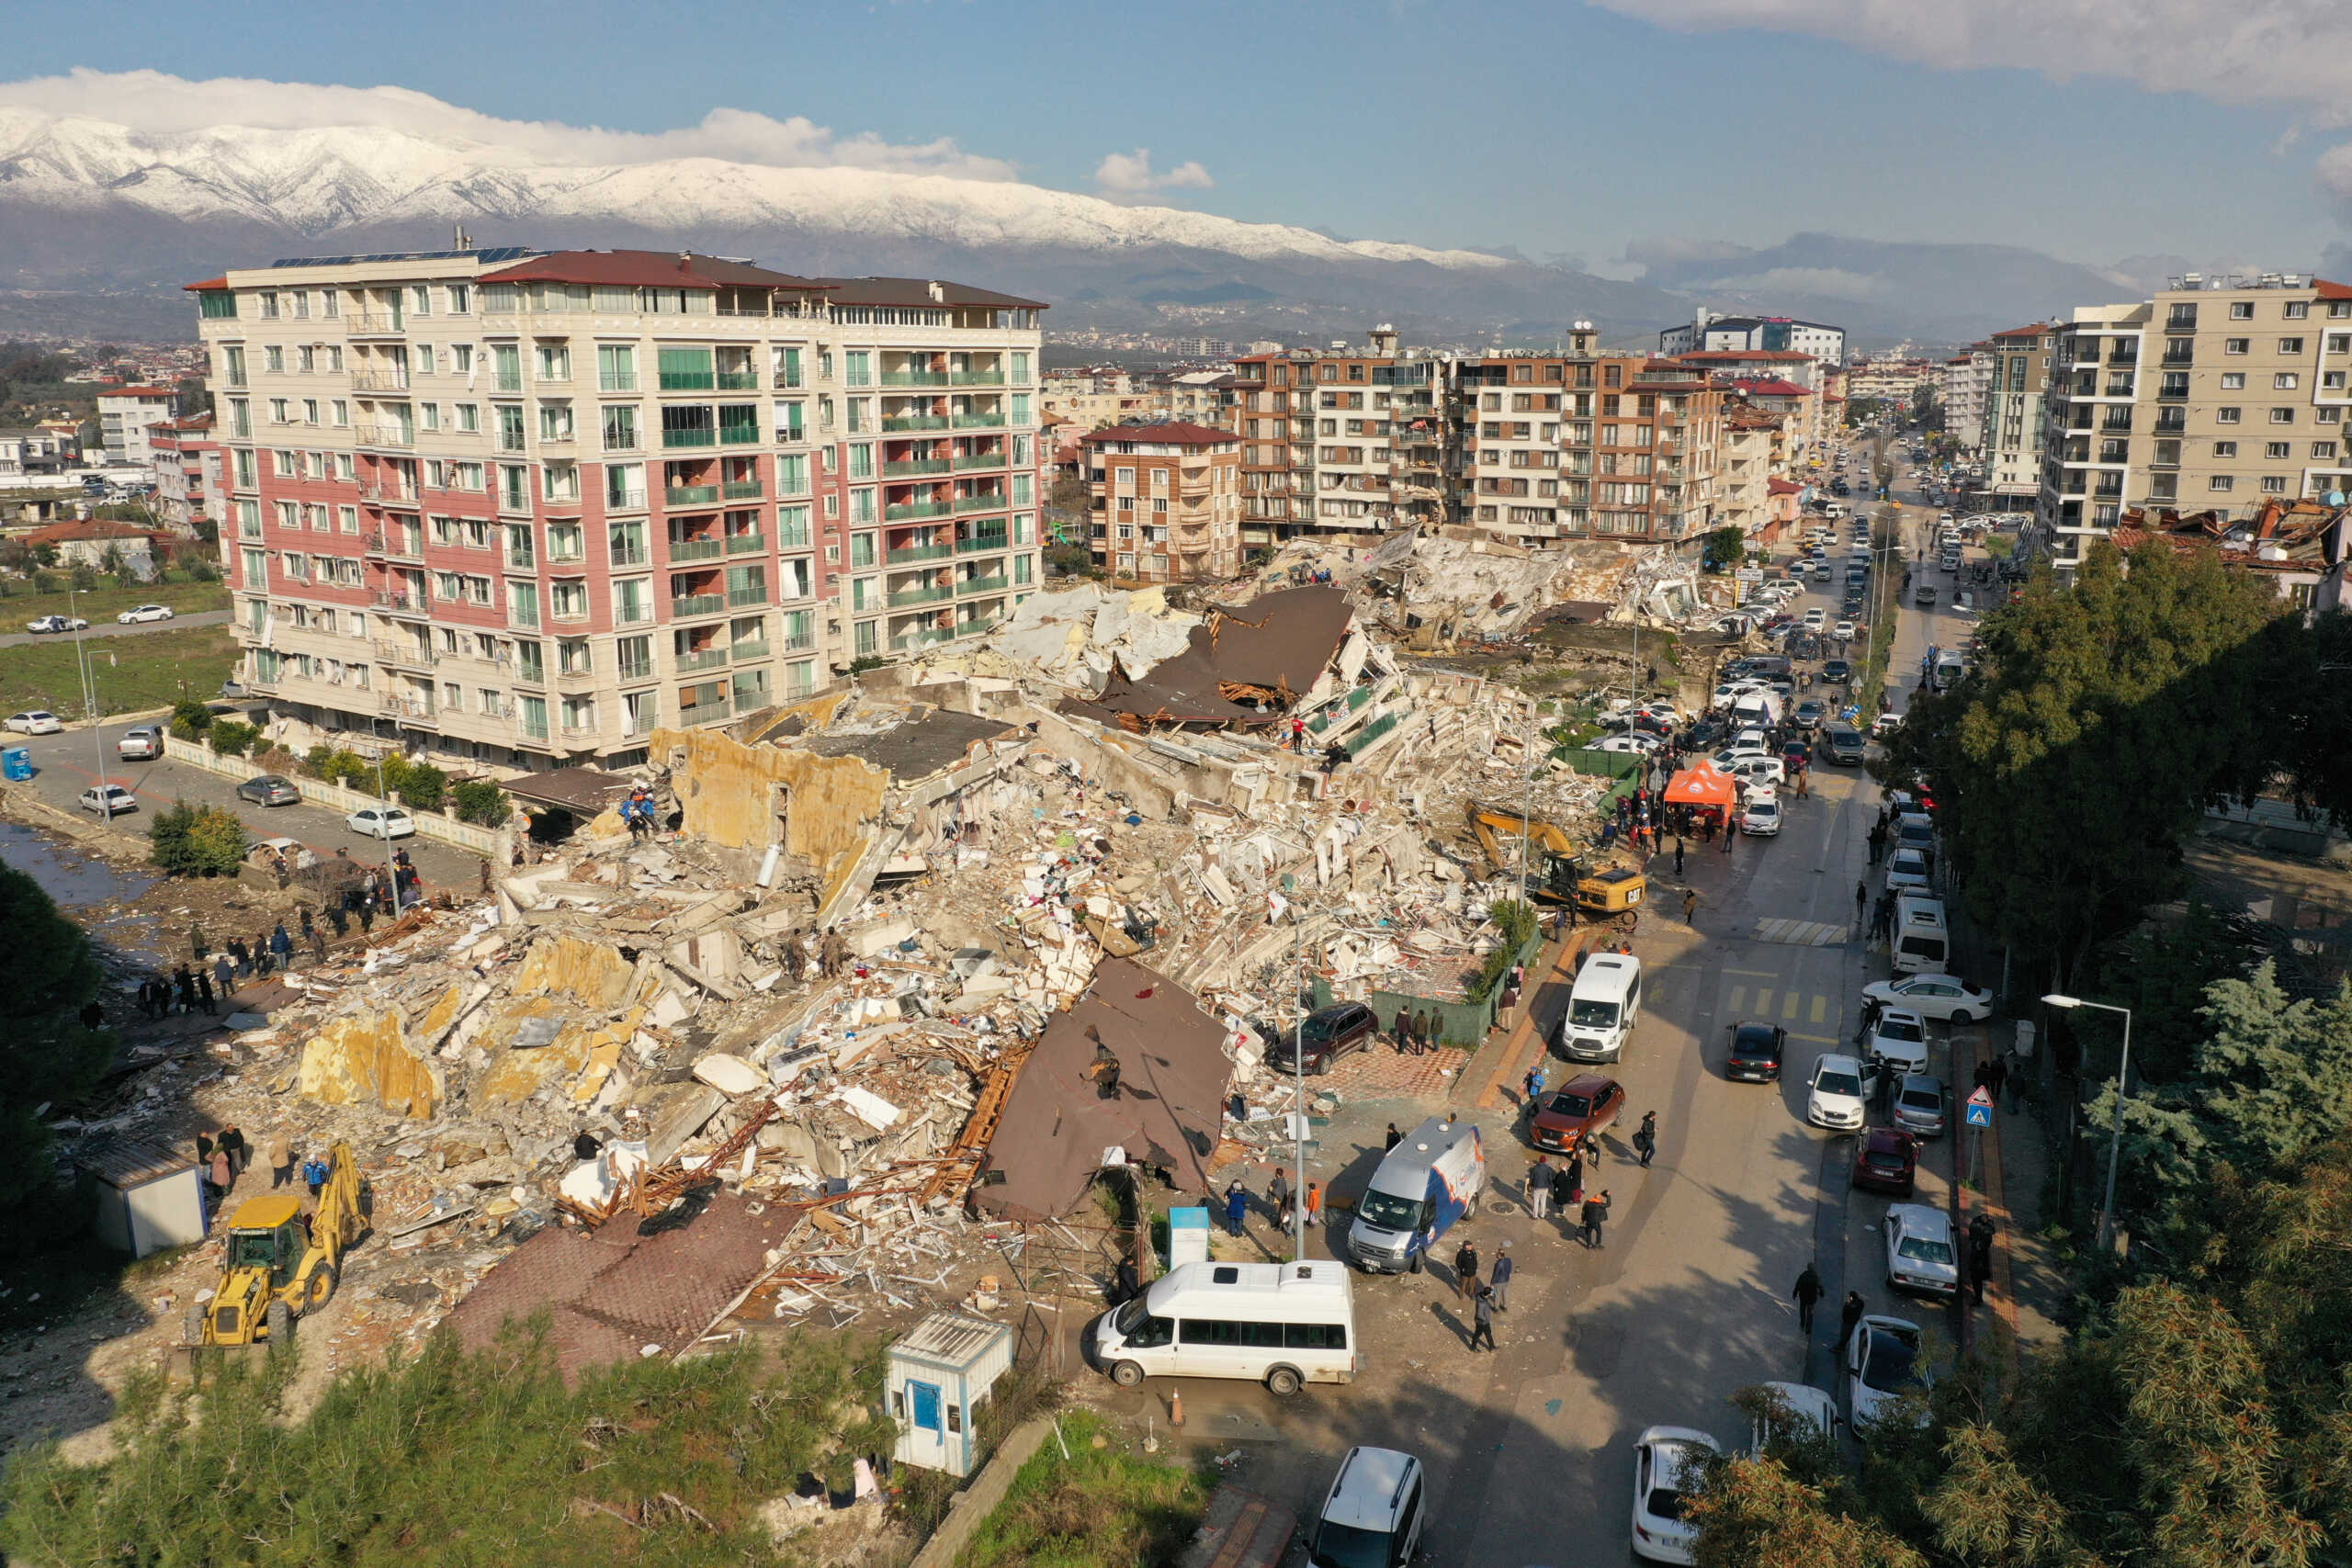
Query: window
x=2274, y=484
x=2241, y=309
x=2221, y=482
x=2297, y=309
x=554, y=362
x=620, y=427
x=2290, y=345
x=2323, y=451
x=2277, y=450
x=461, y=299
x=2226, y=415
x=2233, y=380
x=567, y=541
x=568, y=598
x=2236, y=344
x=2282, y=416
x=469, y=416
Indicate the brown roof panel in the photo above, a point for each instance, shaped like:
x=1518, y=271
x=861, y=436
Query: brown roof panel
x=1176, y=432
x=646, y=269
x=1277, y=644
x=917, y=291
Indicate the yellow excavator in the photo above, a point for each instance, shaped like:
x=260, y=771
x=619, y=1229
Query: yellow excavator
x=278, y=1268
x=1601, y=889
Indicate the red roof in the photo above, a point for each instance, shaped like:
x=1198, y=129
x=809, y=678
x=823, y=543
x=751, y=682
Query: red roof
x=646, y=269
x=1181, y=433
x=210, y=283
x=72, y=532
x=1781, y=487
x=2327, y=290
x=2035, y=331
x=1770, y=387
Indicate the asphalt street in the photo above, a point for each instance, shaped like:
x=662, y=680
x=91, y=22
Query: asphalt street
x=116, y=628
x=64, y=765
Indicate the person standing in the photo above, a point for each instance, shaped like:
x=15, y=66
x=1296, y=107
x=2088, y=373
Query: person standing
x=1465, y=1270
x=224, y=1171
x=224, y=975
x=1645, y=1138
x=1314, y=1204
x=281, y=1161
x=1690, y=908
x=1531, y=1088
x=1403, y=1035
x=241, y=1152
x=1861, y=900
x=204, y=993
x=1499, y=1277
x=1482, y=1319
x=1278, y=1195
x=1996, y=1077
x=198, y=948
x=1849, y=1316
x=281, y=946
x=1979, y=1253
x=1539, y=1187
x=1237, y=1207
x=1572, y=1176
x=1394, y=1138
x=1421, y=1041
x=1678, y=854
x=1808, y=1290
x=1595, y=1217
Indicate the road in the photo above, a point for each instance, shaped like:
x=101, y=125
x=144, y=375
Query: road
x=1530, y=1448
x=64, y=765
x=116, y=628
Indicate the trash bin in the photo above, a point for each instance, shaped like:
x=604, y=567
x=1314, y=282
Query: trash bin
x=15, y=763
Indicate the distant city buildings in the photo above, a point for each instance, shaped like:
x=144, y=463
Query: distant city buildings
x=125, y=413
x=1709, y=331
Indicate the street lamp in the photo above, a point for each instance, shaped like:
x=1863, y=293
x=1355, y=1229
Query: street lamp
x=89, y=696
x=2115, y=1132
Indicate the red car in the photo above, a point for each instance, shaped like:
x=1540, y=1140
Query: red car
x=1586, y=1103
x=1886, y=1161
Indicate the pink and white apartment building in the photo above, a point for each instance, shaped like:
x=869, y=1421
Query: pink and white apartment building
x=519, y=507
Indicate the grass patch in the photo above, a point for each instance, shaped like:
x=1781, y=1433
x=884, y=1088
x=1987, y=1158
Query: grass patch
x=20, y=603
x=458, y=1459
x=1098, y=1506
x=132, y=672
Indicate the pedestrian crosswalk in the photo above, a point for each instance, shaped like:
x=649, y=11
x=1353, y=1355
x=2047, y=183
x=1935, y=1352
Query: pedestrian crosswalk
x=1802, y=933
x=1784, y=1006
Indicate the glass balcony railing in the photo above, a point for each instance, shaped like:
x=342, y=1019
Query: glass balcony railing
x=687, y=381
x=906, y=642
x=738, y=381
x=914, y=377
x=739, y=435
x=744, y=543
x=979, y=461
x=910, y=467
x=742, y=598
x=696, y=604
x=980, y=544
x=690, y=438
x=906, y=596
x=706, y=658
x=743, y=651
x=740, y=489
x=709, y=711
x=971, y=585
x=892, y=423
x=980, y=422
x=976, y=377
x=691, y=496
x=987, y=501
x=695, y=549
x=918, y=552
x=905, y=509
x=978, y=626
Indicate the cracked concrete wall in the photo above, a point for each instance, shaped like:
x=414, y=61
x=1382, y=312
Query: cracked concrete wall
x=365, y=1059
x=726, y=790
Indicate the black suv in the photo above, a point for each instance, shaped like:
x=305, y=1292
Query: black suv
x=1756, y=1052
x=1326, y=1036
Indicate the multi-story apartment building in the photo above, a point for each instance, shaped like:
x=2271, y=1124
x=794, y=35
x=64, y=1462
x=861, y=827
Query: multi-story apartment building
x=1709, y=331
x=187, y=465
x=2017, y=381
x=1167, y=502
x=1891, y=378
x=1340, y=442
x=521, y=506
x=124, y=415
x=2220, y=393
x=1751, y=456
x=1968, y=380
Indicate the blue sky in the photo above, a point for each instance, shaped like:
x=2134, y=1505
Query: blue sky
x=1560, y=128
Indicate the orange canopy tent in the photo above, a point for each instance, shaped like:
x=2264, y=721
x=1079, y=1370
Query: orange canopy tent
x=1704, y=784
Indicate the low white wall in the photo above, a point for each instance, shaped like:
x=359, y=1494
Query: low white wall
x=429, y=824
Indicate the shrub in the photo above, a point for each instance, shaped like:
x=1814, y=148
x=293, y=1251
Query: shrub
x=231, y=737
x=190, y=719
x=1517, y=923
x=197, y=840
x=423, y=787
x=202, y=570
x=482, y=803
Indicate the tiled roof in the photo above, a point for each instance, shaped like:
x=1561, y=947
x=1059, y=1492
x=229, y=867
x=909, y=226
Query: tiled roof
x=916, y=291
x=645, y=269
x=1181, y=433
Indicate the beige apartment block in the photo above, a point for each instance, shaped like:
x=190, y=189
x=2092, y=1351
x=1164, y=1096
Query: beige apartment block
x=1167, y=502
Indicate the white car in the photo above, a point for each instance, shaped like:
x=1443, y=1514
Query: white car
x=40, y=721
x=1886, y=723
x=108, y=800
x=1375, y=1511
x=381, y=822
x=1901, y=1038
x=1921, y=1253
x=1881, y=1366
x=1816, y=618
x=1906, y=871
x=1833, y=1098
x=1945, y=997
x=1752, y=770
x=1668, y=1463
x=132, y=616
x=1760, y=818
x=1843, y=629
x=48, y=623
x=1802, y=1414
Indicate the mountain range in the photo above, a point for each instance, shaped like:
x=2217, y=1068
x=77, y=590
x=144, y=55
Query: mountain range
x=100, y=221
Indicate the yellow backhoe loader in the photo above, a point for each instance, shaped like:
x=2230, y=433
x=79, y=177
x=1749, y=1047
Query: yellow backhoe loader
x=279, y=1265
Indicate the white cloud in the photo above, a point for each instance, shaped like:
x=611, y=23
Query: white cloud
x=156, y=103
x=1129, y=174
x=2298, y=52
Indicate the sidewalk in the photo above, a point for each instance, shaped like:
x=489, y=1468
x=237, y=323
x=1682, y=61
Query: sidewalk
x=2028, y=1287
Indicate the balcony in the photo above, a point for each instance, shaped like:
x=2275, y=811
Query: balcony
x=673, y=438
x=740, y=489
x=905, y=553
x=739, y=436
x=893, y=424
x=404, y=655
x=691, y=496
x=712, y=710
x=400, y=604
x=991, y=500
x=979, y=543
x=905, y=509
x=687, y=381
x=399, y=437
x=906, y=596
x=373, y=324
x=397, y=546
x=912, y=467
x=907, y=642
x=978, y=625
x=978, y=422
x=405, y=705
x=743, y=652
x=798, y=642
x=976, y=377
x=691, y=604
x=625, y=501
x=745, y=598
x=738, y=381
x=383, y=379
x=979, y=461
x=745, y=544
x=914, y=378
x=617, y=381
x=708, y=658
x=696, y=549
x=971, y=585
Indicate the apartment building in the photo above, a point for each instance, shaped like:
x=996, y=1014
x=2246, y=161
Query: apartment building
x=520, y=506
x=1751, y=456
x=187, y=470
x=1892, y=378
x=2017, y=381
x=1167, y=502
x=1338, y=441
x=2223, y=393
x=1968, y=380
x=1804, y=437
x=124, y=415
x=1708, y=332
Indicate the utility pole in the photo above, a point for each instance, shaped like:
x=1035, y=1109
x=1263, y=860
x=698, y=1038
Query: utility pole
x=384, y=824
x=1298, y=1096
x=89, y=697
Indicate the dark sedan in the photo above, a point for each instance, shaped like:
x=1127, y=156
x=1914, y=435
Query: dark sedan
x=1836, y=672
x=1756, y=1053
x=1886, y=1160
x=270, y=789
x=1324, y=1038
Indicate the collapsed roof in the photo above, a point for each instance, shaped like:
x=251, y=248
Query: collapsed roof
x=1245, y=665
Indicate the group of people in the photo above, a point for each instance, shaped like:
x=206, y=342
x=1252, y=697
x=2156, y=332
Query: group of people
x=812, y=954
x=221, y=1157
x=1285, y=1201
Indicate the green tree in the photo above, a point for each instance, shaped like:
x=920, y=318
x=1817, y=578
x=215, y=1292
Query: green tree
x=84, y=575
x=1753, y=1514
x=49, y=1061
x=482, y=803
x=197, y=840
x=423, y=787
x=231, y=736
x=190, y=719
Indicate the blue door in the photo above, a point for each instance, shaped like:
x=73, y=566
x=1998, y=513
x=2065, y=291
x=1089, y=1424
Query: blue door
x=926, y=1404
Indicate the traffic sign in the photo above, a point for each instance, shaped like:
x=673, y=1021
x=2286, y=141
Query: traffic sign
x=1980, y=1109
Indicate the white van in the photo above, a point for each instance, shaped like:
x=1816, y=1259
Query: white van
x=1603, y=1006
x=1282, y=1324
x=1759, y=708
x=1922, y=943
x=1433, y=1177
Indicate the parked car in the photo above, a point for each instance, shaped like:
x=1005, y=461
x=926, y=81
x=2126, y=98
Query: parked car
x=47, y=624
x=40, y=721
x=108, y=800
x=1921, y=1253
x=1324, y=1037
x=1834, y=1097
x=140, y=744
x=1760, y=818
x=139, y=613
x=1886, y=1159
x=1845, y=744
x=1836, y=672
x=381, y=822
x=1901, y=1038
x=1638, y=743
x=1907, y=869
x=1844, y=629
x=1886, y=723
x=1945, y=997
x=1668, y=1463
x=1588, y=1102
x=1881, y=1367
x=272, y=789
x=1755, y=1052
x=1919, y=1105
x=1373, y=1513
